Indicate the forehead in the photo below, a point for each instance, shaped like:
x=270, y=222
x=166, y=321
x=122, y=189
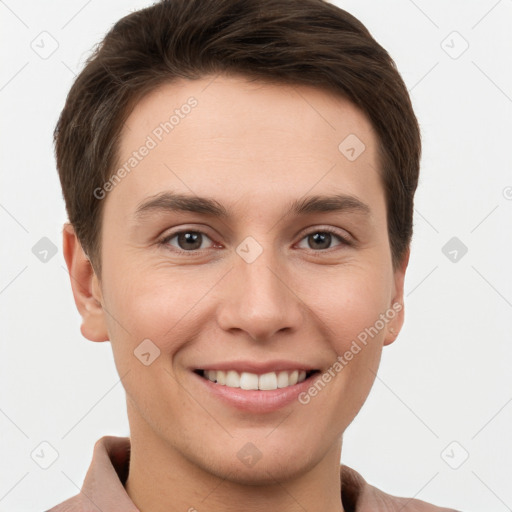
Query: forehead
x=228, y=137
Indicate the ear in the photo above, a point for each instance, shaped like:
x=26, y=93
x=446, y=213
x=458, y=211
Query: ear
x=397, y=304
x=85, y=286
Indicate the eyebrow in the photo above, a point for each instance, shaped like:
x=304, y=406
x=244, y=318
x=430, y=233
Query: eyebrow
x=175, y=202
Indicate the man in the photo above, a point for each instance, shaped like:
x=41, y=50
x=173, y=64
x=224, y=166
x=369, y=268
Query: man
x=277, y=139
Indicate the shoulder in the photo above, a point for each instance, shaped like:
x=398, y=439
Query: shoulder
x=73, y=504
x=359, y=496
x=110, y=455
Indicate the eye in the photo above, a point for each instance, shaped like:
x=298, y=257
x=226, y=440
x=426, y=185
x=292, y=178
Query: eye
x=187, y=240
x=322, y=238
x=190, y=241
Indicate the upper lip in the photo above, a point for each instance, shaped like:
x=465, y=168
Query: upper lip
x=258, y=368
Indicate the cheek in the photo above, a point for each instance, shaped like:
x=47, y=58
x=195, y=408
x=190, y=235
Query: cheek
x=351, y=305
x=354, y=316
x=159, y=306
x=350, y=317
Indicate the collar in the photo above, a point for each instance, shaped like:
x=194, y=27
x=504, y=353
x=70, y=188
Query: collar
x=103, y=486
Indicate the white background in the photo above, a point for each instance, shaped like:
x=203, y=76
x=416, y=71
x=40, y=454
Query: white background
x=447, y=377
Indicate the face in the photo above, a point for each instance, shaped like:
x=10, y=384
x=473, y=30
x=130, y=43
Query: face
x=266, y=276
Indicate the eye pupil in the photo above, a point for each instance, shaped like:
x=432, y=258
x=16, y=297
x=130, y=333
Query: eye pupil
x=322, y=237
x=190, y=237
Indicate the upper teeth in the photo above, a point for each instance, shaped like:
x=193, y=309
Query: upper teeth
x=246, y=380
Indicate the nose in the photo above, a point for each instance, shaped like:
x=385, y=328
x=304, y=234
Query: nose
x=259, y=298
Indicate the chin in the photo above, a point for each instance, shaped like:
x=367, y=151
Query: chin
x=262, y=461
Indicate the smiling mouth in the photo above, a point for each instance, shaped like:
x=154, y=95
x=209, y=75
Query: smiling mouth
x=252, y=381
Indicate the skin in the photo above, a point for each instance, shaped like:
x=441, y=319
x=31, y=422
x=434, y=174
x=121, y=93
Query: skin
x=254, y=147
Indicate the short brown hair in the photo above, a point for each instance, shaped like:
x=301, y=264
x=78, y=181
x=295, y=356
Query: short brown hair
x=309, y=42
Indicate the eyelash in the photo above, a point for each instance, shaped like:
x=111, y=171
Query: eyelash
x=165, y=241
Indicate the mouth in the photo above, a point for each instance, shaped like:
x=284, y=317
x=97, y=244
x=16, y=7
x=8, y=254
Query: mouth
x=269, y=381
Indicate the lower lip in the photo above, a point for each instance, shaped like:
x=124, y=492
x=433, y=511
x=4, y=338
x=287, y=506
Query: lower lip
x=257, y=401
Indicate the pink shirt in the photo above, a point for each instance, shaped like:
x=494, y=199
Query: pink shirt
x=103, y=488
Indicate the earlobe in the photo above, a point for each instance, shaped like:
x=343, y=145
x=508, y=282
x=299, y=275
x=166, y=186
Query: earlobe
x=85, y=287
x=396, y=311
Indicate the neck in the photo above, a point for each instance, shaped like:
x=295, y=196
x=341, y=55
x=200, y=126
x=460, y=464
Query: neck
x=162, y=479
